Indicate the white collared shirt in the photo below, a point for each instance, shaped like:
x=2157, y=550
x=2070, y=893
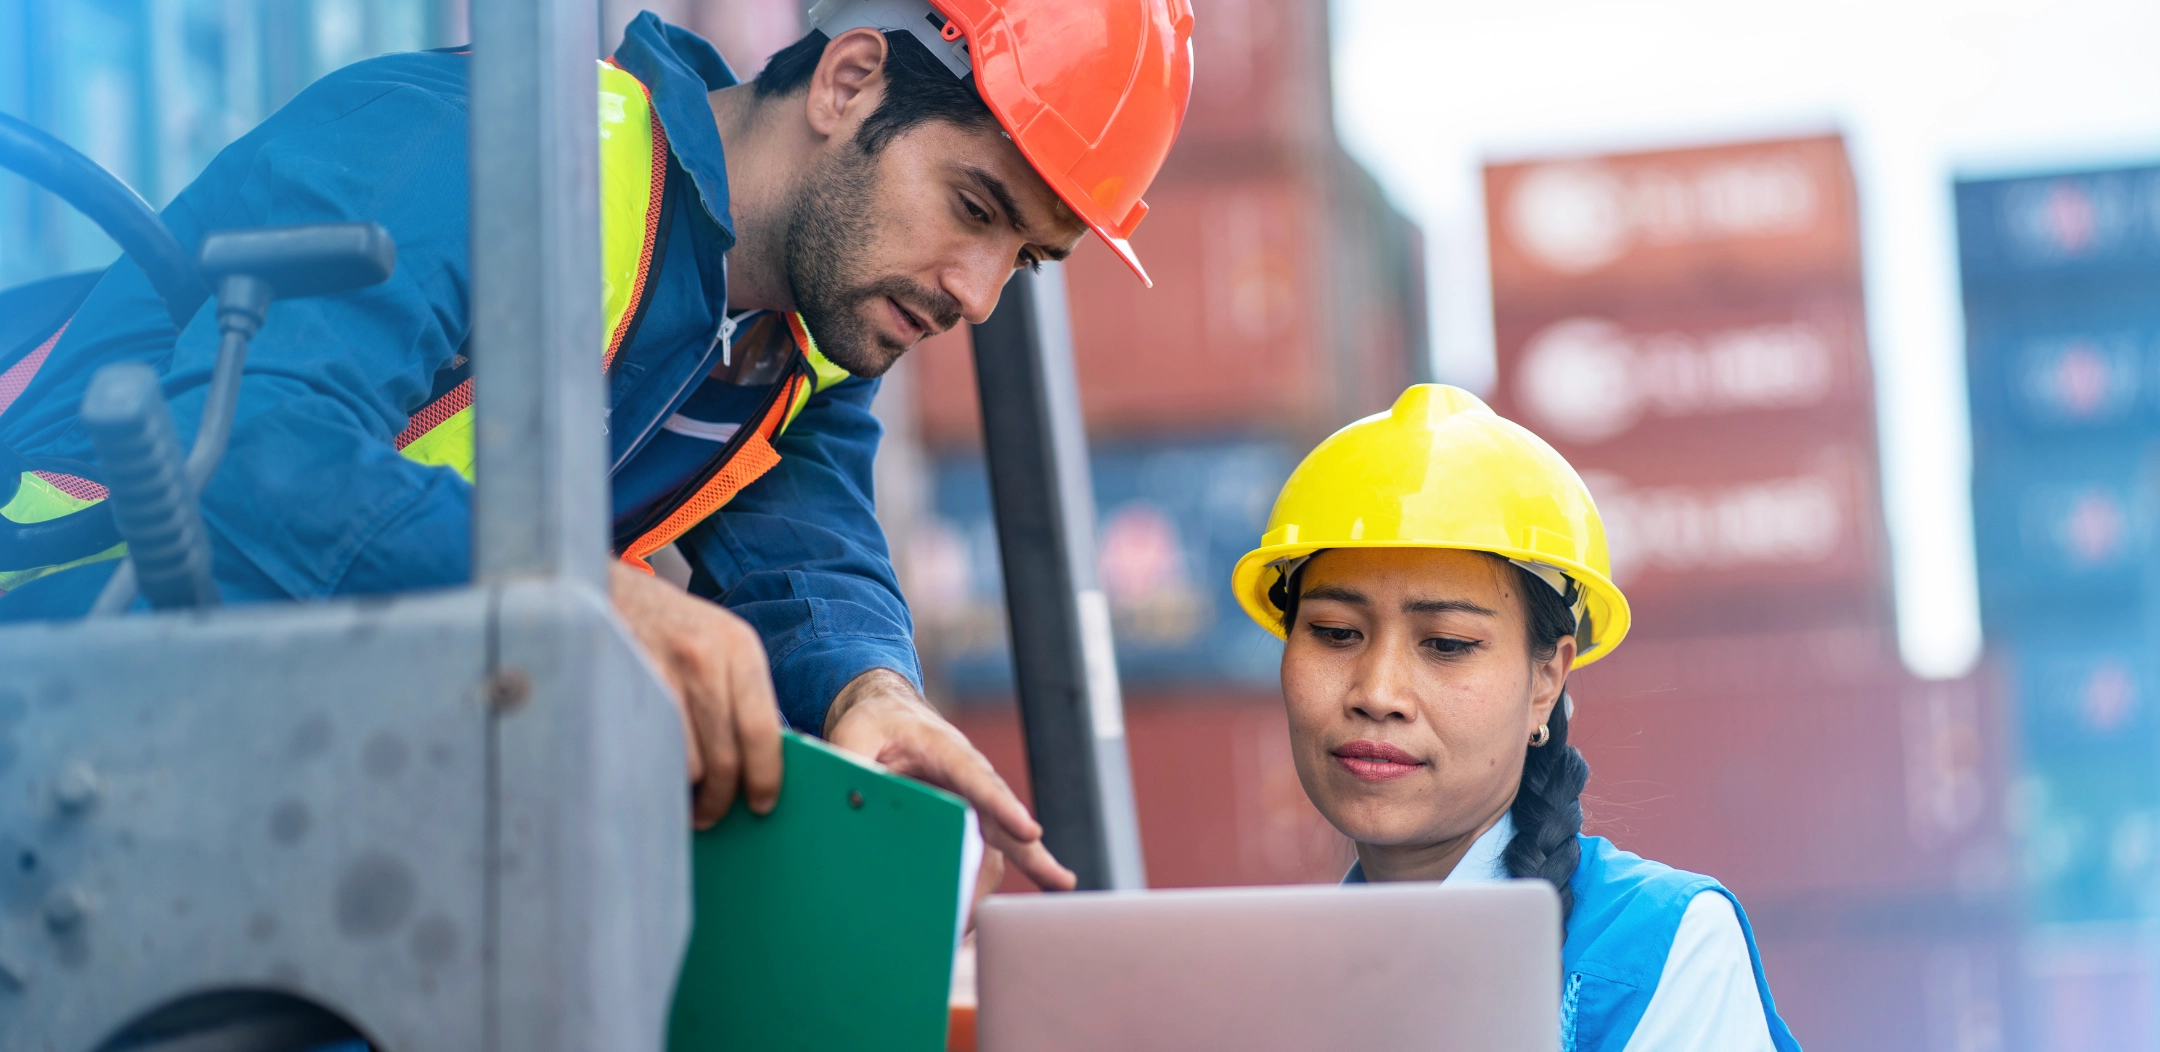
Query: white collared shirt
x=1705, y=1000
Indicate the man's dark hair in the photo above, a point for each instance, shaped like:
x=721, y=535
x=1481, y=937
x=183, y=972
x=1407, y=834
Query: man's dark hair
x=918, y=88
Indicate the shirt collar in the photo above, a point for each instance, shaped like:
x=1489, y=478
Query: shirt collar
x=679, y=68
x=1480, y=865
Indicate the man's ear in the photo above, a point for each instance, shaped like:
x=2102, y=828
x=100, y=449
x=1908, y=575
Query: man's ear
x=848, y=83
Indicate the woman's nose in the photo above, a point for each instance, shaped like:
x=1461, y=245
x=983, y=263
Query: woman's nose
x=1383, y=689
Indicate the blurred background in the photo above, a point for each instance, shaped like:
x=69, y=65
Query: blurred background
x=1849, y=313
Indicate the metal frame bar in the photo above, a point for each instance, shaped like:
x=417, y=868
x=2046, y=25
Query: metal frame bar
x=1064, y=662
x=540, y=510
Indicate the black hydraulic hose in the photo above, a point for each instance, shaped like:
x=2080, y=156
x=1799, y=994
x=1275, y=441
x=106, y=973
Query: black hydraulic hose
x=153, y=503
x=118, y=210
x=242, y=301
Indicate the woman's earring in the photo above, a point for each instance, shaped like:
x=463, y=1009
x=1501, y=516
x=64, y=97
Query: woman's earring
x=1543, y=735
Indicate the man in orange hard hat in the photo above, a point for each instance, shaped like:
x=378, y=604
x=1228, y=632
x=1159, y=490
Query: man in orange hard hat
x=769, y=249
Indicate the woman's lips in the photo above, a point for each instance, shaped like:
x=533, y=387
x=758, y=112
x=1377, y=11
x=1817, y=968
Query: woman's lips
x=1376, y=761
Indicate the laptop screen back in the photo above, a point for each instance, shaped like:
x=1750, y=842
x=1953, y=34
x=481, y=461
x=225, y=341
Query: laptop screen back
x=1377, y=968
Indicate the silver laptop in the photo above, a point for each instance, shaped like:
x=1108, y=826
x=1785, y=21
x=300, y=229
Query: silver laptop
x=1375, y=968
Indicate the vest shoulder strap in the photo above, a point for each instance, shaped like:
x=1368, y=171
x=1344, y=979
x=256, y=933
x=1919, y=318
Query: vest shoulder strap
x=1627, y=911
x=633, y=200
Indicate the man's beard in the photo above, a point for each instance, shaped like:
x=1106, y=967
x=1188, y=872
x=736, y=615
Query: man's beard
x=830, y=227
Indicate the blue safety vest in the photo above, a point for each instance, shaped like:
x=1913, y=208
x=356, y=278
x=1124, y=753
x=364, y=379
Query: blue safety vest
x=1627, y=911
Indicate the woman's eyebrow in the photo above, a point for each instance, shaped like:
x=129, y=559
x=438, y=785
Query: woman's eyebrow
x=1337, y=593
x=1443, y=606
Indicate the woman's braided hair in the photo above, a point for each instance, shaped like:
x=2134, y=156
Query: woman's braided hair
x=1548, y=803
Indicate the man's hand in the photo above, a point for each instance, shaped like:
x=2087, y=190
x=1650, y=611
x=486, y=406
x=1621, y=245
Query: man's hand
x=714, y=664
x=880, y=716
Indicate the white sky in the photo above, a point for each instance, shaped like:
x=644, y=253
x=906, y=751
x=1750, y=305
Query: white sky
x=1925, y=91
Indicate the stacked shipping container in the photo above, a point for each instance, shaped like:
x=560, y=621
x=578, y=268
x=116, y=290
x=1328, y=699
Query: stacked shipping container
x=2063, y=360
x=1687, y=328
x=1288, y=300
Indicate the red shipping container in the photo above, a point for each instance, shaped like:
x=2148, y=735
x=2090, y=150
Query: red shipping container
x=1708, y=223
x=1217, y=794
x=1799, y=768
x=1687, y=328
x=1263, y=81
x=1245, y=331
x=1747, y=527
x=1654, y=376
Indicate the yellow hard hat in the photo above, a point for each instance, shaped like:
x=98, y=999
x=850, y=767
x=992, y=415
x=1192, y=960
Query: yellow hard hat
x=1442, y=470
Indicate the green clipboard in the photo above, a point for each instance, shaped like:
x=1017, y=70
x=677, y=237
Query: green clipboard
x=830, y=924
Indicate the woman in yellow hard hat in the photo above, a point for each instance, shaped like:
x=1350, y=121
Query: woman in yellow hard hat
x=1436, y=572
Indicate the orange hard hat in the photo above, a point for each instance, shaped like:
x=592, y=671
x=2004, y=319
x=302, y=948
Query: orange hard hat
x=1092, y=91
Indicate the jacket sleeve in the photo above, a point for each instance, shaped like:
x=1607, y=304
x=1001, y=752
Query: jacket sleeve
x=313, y=497
x=800, y=555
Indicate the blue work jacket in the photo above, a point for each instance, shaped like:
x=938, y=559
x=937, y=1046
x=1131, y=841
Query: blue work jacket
x=313, y=498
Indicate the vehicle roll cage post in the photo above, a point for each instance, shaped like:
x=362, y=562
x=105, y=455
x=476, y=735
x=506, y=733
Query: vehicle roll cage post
x=1064, y=660
x=540, y=506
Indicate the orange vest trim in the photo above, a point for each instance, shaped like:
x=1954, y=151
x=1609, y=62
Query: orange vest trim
x=751, y=461
x=431, y=416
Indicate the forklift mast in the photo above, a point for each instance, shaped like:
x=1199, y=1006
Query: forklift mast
x=456, y=820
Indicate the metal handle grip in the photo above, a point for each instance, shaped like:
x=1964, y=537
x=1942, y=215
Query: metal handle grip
x=152, y=502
